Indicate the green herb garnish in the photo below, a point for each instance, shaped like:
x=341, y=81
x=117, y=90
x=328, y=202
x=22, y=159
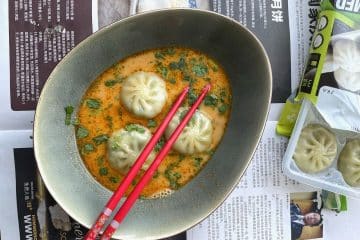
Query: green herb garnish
x=159, y=55
x=172, y=80
x=100, y=139
x=173, y=176
x=109, y=121
x=189, y=79
x=192, y=96
x=200, y=69
x=87, y=148
x=156, y=174
x=197, y=161
x=134, y=127
x=159, y=144
x=114, y=179
x=75, y=122
x=103, y=171
x=152, y=123
x=211, y=100
x=223, y=108
x=162, y=70
x=100, y=160
x=93, y=103
x=68, y=112
x=180, y=65
x=181, y=157
x=82, y=132
x=110, y=83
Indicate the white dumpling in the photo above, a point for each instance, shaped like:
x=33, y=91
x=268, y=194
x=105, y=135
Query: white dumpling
x=348, y=80
x=316, y=149
x=349, y=162
x=329, y=64
x=144, y=94
x=126, y=144
x=346, y=54
x=196, y=137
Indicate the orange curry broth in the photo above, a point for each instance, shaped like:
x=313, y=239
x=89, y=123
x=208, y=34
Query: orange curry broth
x=111, y=115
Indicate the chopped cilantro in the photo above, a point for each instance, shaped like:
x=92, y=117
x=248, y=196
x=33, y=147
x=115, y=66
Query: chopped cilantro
x=100, y=160
x=115, y=146
x=152, y=123
x=211, y=100
x=82, y=132
x=159, y=55
x=114, y=179
x=223, y=108
x=188, y=78
x=68, y=111
x=100, y=139
x=162, y=70
x=214, y=67
x=87, y=148
x=109, y=121
x=169, y=51
x=173, y=178
x=172, y=80
x=197, y=161
x=192, y=96
x=75, y=122
x=181, y=157
x=92, y=103
x=156, y=174
x=199, y=69
x=159, y=144
x=110, y=83
x=103, y=171
x=180, y=65
x=134, y=127
x=182, y=114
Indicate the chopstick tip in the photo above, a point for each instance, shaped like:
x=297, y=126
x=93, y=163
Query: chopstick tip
x=207, y=87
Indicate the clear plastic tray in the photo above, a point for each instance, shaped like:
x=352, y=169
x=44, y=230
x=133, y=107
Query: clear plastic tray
x=331, y=178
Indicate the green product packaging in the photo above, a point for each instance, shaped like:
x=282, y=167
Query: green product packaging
x=334, y=58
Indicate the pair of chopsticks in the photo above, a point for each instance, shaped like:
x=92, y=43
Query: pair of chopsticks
x=130, y=200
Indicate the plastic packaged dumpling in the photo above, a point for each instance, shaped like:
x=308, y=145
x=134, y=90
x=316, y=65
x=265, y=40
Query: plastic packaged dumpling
x=323, y=150
x=334, y=58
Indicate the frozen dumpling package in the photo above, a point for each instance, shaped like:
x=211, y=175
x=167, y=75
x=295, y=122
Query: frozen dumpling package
x=324, y=148
x=334, y=58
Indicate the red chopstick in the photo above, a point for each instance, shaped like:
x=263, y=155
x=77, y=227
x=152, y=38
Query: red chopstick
x=118, y=194
x=130, y=200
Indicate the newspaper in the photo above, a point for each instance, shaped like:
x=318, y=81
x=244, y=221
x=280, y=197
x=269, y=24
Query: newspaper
x=37, y=34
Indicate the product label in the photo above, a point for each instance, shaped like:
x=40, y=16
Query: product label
x=334, y=57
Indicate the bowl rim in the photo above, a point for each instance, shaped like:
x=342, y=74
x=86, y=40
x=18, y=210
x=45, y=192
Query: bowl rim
x=109, y=27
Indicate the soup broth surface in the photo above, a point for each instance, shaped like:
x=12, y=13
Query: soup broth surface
x=101, y=112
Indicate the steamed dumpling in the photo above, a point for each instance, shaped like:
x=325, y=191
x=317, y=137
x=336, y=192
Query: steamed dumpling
x=126, y=144
x=349, y=163
x=329, y=64
x=196, y=137
x=144, y=94
x=316, y=149
x=348, y=80
x=346, y=54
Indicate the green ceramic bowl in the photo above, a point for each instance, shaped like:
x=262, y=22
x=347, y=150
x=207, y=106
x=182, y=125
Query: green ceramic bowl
x=232, y=45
